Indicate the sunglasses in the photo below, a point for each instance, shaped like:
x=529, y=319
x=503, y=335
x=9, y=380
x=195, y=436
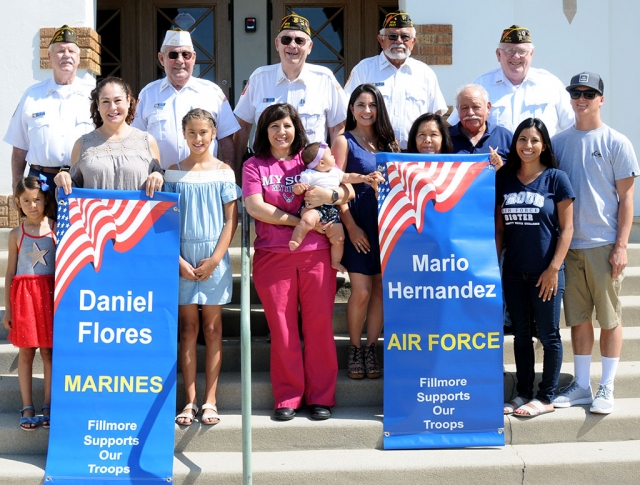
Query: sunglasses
x=394, y=37
x=286, y=40
x=588, y=94
x=186, y=55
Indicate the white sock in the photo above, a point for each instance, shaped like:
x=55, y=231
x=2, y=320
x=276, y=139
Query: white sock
x=609, y=367
x=582, y=364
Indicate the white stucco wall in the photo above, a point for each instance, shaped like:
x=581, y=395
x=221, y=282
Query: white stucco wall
x=601, y=38
x=21, y=67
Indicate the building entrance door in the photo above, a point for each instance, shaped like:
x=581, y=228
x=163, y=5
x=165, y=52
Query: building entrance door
x=343, y=32
x=132, y=31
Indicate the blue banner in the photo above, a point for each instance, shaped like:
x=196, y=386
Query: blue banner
x=443, y=382
x=115, y=338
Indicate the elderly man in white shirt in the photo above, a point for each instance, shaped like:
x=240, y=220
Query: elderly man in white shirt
x=163, y=103
x=518, y=91
x=52, y=114
x=409, y=87
x=311, y=89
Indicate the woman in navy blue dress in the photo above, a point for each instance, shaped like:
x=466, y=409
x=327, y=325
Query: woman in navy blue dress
x=368, y=131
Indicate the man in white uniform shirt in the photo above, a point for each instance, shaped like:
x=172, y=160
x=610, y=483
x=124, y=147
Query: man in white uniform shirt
x=409, y=87
x=311, y=89
x=518, y=91
x=163, y=103
x=52, y=114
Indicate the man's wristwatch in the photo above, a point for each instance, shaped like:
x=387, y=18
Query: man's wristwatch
x=334, y=197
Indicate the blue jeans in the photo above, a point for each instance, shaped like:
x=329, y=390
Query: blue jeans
x=525, y=308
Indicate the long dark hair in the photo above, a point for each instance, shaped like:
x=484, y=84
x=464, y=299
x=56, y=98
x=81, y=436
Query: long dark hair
x=382, y=126
x=95, y=99
x=447, y=144
x=32, y=182
x=547, y=158
x=276, y=112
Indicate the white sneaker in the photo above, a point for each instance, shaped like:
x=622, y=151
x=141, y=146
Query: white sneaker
x=572, y=396
x=603, y=403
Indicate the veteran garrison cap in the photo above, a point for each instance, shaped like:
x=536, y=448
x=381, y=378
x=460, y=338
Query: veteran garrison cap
x=293, y=21
x=64, y=34
x=397, y=20
x=588, y=80
x=515, y=35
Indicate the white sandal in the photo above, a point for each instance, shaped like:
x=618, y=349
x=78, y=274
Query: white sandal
x=211, y=415
x=511, y=406
x=534, y=408
x=193, y=411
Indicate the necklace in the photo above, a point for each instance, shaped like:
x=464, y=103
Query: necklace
x=371, y=146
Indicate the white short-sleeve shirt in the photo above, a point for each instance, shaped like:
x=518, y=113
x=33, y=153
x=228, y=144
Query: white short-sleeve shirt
x=541, y=95
x=49, y=119
x=316, y=95
x=161, y=108
x=408, y=91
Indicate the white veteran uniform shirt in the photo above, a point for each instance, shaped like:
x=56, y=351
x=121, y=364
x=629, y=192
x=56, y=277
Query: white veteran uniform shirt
x=161, y=108
x=49, y=119
x=315, y=94
x=408, y=91
x=541, y=95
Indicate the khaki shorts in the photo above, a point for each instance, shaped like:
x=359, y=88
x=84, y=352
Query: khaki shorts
x=589, y=285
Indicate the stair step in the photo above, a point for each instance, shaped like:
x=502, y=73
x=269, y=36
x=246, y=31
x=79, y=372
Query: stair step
x=356, y=428
x=587, y=462
x=349, y=392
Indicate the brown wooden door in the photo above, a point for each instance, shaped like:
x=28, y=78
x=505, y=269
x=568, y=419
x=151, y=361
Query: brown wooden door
x=343, y=31
x=137, y=28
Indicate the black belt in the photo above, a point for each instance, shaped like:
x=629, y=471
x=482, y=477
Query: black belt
x=40, y=168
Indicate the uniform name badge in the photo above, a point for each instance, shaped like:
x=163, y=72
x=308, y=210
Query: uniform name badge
x=159, y=105
x=268, y=100
x=38, y=115
x=378, y=84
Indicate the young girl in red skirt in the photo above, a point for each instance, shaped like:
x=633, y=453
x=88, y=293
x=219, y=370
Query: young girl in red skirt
x=29, y=284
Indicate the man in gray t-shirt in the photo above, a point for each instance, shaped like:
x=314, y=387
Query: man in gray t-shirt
x=601, y=166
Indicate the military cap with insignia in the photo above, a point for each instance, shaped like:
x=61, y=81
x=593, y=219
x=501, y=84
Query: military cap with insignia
x=294, y=21
x=397, y=20
x=515, y=35
x=64, y=34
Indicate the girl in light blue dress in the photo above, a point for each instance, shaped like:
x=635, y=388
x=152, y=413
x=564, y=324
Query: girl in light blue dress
x=208, y=220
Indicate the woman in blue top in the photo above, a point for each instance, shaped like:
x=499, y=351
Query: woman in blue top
x=368, y=131
x=534, y=226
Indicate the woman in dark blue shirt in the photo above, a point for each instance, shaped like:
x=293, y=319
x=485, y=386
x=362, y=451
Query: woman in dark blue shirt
x=534, y=226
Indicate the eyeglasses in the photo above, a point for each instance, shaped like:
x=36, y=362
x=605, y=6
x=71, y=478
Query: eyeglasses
x=186, y=55
x=394, y=37
x=286, y=40
x=588, y=94
x=513, y=52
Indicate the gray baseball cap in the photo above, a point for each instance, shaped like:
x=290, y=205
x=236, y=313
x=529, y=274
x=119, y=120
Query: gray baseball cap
x=588, y=80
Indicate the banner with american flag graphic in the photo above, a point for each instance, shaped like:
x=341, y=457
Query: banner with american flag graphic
x=115, y=336
x=442, y=302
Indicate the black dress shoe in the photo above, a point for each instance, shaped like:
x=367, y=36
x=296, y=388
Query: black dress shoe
x=320, y=412
x=284, y=414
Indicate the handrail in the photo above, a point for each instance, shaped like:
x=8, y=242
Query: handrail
x=245, y=345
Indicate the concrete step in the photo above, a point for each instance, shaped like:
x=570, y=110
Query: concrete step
x=630, y=347
x=568, y=463
x=349, y=392
x=354, y=429
x=260, y=350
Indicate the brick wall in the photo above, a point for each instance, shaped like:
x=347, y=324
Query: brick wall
x=434, y=44
x=8, y=215
x=88, y=41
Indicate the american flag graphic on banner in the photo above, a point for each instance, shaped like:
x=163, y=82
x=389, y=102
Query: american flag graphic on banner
x=85, y=225
x=410, y=186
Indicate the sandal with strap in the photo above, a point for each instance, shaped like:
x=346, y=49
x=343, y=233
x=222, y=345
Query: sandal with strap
x=372, y=366
x=192, y=411
x=45, y=419
x=28, y=423
x=210, y=418
x=515, y=403
x=355, y=364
